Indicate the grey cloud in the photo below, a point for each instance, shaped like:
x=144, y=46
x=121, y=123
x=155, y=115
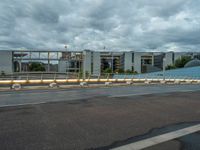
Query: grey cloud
x=44, y=14
x=92, y=24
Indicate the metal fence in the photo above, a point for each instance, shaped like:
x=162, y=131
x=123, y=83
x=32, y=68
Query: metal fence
x=55, y=75
x=50, y=77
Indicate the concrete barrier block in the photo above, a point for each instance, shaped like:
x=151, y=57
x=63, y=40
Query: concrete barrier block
x=163, y=82
x=83, y=84
x=177, y=82
x=108, y=83
x=16, y=86
x=147, y=82
x=188, y=81
x=129, y=82
x=53, y=85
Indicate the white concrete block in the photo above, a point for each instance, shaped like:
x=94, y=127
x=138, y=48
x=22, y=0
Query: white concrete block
x=162, y=81
x=147, y=82
x=177, y=82
x=53, y=85
x=16, y=86
x=129, y=82
x=188, y=81
x=108, y=83
x=83, y=84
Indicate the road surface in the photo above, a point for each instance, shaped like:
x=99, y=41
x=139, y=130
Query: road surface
x=100, y=118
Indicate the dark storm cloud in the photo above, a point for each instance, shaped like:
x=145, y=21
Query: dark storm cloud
x=93, y=24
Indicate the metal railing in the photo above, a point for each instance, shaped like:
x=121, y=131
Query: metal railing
x=50, y=77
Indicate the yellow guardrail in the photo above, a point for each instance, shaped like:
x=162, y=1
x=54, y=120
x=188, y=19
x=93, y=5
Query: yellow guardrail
x=48, y=81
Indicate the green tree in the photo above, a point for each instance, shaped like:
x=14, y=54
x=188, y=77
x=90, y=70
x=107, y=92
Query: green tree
x=180, y=63
x=80, y=74
x=120, y=71
x=135, y=72
x=87, y=74
x=169, y=67
x=3, y=73
x=128, y=71
x=36, y=66
x=108, y=70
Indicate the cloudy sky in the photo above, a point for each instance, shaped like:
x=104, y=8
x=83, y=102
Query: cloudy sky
x=140, y=25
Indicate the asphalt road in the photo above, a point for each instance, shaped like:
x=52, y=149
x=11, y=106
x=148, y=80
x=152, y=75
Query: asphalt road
x=94, y=118
x=13, y=98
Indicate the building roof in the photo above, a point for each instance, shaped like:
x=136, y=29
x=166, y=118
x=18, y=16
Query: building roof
x=182, y=73
x=193, y=63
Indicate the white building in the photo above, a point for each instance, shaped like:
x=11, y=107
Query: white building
x=6, y=62
x=87, y=61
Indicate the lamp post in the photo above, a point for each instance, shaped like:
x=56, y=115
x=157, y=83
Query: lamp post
x=164, y=61
x=112, y=67
x=65, y=46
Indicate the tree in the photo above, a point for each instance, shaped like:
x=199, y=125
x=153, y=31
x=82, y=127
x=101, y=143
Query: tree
x=3, y=73
x=128, y=71
x=120, y=70
x=180, y=63
x=135, y=72
x=169, y=67
x=36, y=66
x=80, y=74
x=108, y=70
x=87, y=74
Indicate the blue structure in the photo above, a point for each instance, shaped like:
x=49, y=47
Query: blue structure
x=183, y=73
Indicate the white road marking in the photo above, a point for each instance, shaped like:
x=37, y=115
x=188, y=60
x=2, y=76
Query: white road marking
x=127, y=95
x=138, y=94
x=25, y=104
x=160, y=139
x=36, y=93
x=189, y=90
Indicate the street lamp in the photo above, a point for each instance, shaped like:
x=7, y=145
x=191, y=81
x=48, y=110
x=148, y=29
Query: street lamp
x=66, y=47
x=164, y=61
